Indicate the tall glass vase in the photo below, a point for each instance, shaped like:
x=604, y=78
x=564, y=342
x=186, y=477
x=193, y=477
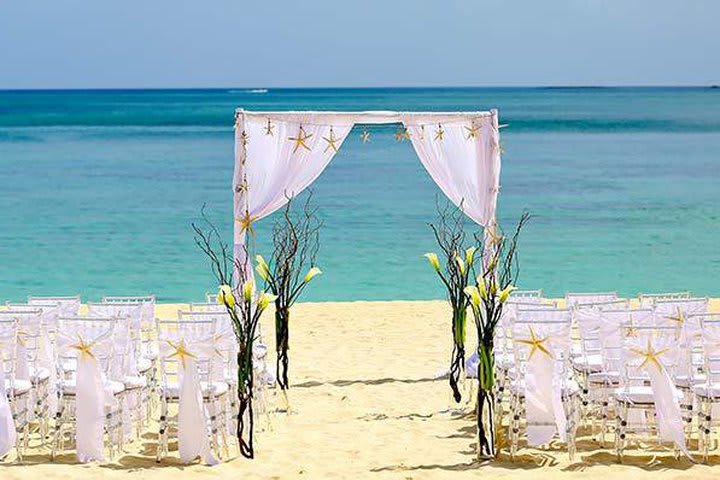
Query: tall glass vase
x=487, y=448
x=457, y=362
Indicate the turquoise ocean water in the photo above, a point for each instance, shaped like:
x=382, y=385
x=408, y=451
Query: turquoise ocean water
x=98, y=189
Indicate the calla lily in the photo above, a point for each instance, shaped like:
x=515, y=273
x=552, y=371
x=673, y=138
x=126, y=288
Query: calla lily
x=469, y=255
x=262, y=270
x=482, y=288
x=433, y=259
x=474, y=294
x=505, y=294
x=225, y=296
x=261, y=261
x=314, y=271
x=493, y=286
x=264, y=300
x=248, y=288
x=461, y=264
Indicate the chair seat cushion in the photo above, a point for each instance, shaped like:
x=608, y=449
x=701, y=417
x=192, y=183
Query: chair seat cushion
x=112, y=387
x=588, y=363
x=144, y=364
x=39, y=375
x=132, y=382
x=641, y=394
x=707, y=391
x=172, y=389
x=605, y=378
x=19, y=387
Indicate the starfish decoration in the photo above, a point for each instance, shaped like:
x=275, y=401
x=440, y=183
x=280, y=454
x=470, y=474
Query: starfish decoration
x=650, y=355
x=331, y=141
x=22, y=338
x=85, y=348
x=472, y=131
x=242, y=187
x=246, y=222
x=300, y=139
x=181, y=351
x=679, y=317
x=631, y=332
x=402, y=134
x=495, y=239
x=536, y=344
x=244, y=137
x=269, y=128
x=439, y=133
x=365, y=136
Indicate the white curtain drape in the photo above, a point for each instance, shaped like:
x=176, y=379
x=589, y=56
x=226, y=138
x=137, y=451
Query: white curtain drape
x=279, y=154
x=8, y=435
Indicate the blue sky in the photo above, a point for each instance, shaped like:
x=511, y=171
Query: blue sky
x=280, y=43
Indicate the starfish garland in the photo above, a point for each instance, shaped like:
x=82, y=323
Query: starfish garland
x=439, y=133
x=472, y=131
x=421, y=136
x=246, y=222
x=402, y=134
x=244, y=137
x=365, y=136
x=300, y=139
x=269, y=128
x=331, y=141
x=181, y=352
x=650, y=355
x=536, y=344
x=242, y=187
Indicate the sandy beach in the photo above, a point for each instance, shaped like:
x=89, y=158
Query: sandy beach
x=367, y=403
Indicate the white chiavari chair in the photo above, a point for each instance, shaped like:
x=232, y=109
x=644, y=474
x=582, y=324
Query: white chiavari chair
x=69, y=305
x=137, y=369
x=95, y=338
x=208, y=307
x=648, y=300
x=541, y=347
x=574, y=299
x=707, y=392
x=649, y=357
x=526, y=296
x=14, y=392
x=682, y=314
x=194, y=336
x=36, y=359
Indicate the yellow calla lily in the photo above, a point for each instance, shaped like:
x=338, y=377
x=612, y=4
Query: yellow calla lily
x=264, y=300
x=262, y=270
x=225, y=296
x=505, y=294
x=469, y=255
x=461, y=264
x=482, y=288
x=248, y=288
x=493, y=287
x=314, y=271
x=474, y=294
x=433, y=259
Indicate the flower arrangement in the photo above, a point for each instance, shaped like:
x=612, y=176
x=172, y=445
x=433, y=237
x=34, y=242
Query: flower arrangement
x=245, y=305
x=493, y=287
x=458, y=266
x=289, y=271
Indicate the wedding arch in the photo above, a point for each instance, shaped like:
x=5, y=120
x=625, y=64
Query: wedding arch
x=279, y=154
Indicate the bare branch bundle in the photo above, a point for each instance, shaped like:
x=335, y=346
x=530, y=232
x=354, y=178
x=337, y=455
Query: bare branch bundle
x=459, y=266
x=244, y=307
x=296, y=240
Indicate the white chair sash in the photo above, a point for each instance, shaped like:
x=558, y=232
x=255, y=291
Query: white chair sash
x=90, y=394
x=8, y=434
x=193, y=441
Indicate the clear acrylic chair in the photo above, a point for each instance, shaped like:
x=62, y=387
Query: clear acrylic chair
x=526, y=296
x=138, y=373
x=36, y=360
x=193, y=331
x=648, y=299
x=17, y=390
x=635, y=393
x=69, y=305
x=543, y=332
x=110, y=360
x=574, y=299
x=707, y=392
